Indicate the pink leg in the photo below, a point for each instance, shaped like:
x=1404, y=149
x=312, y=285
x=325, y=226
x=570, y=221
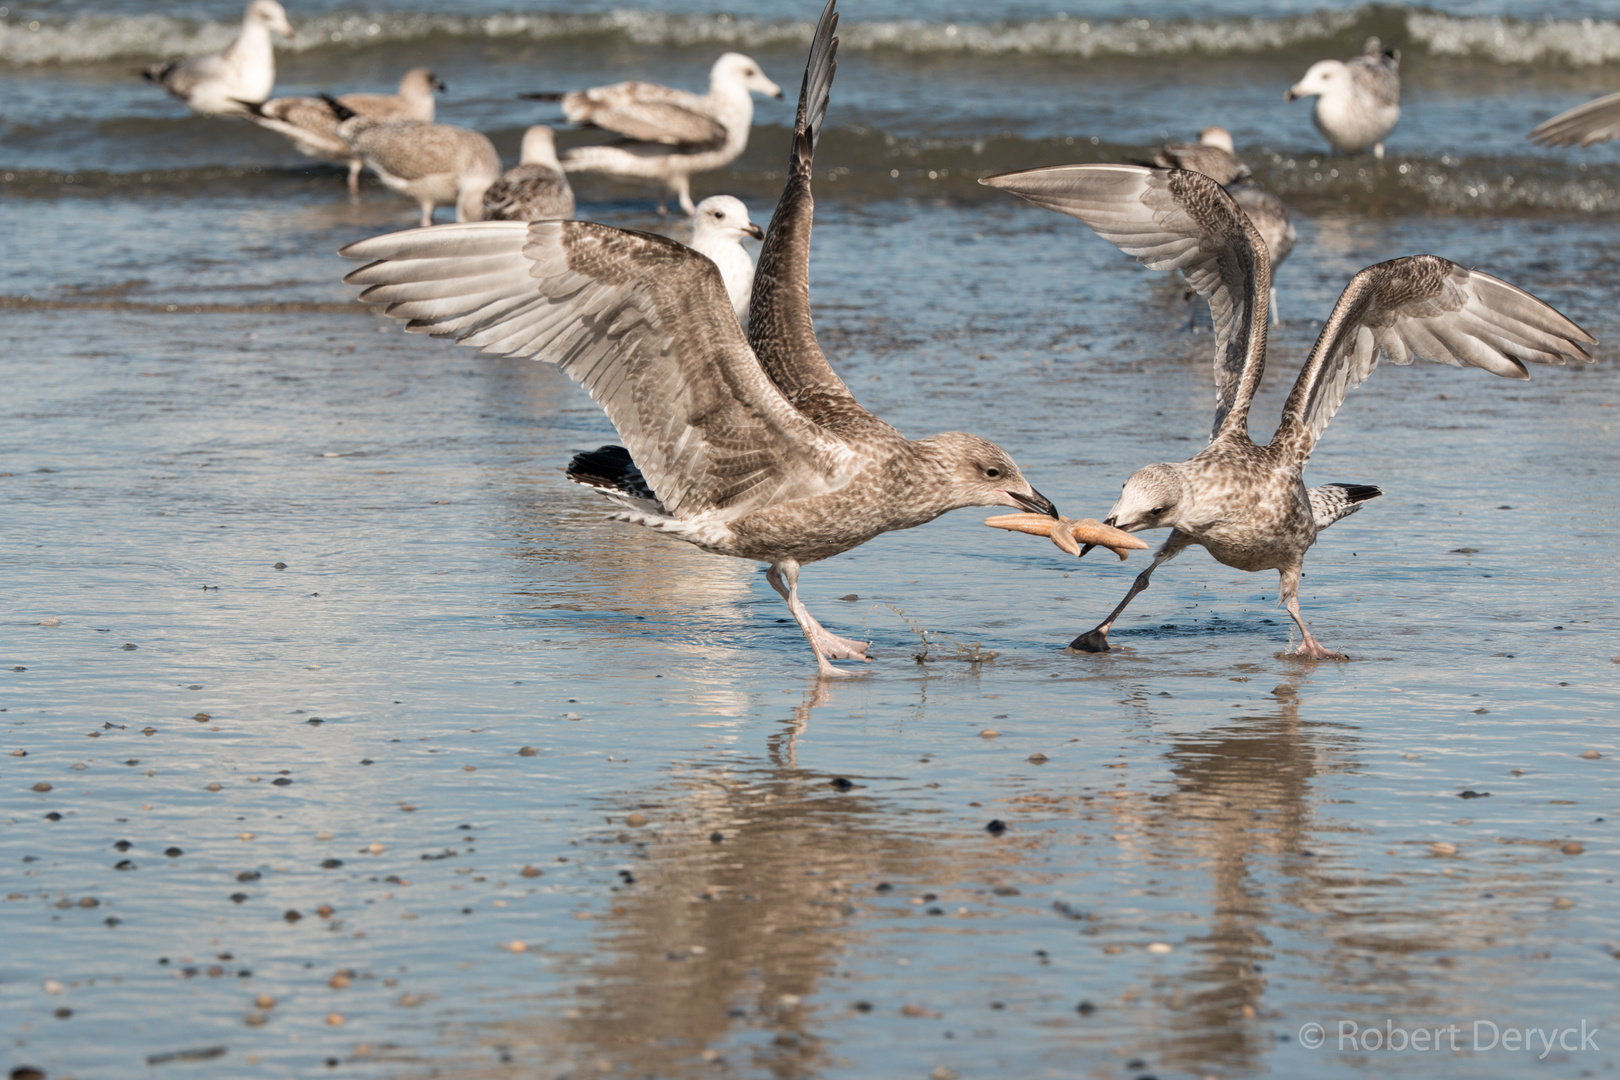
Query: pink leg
x=354, y=178
x=784, y=578
x=1310, y=647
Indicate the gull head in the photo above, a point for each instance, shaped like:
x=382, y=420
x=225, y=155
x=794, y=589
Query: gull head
x=419, y=84
x=1217, y=137
x=270, y=15
x=540, y=147
x=737, y=69
x=1325, y=78
x=723, y=217
x=980, y=473
x=1151, y=499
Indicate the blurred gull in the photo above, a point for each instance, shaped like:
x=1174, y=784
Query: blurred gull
x=1247, y=504
x=669, y=134
x=536, y=189
x=1596, y=121
x=723, y=447
x=431, y=163
x=311, y=125
x=217, y=84
x=1357, y=101
x=718, y=230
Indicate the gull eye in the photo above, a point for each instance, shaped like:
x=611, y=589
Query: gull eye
x=1159, y=510
x=992, y=473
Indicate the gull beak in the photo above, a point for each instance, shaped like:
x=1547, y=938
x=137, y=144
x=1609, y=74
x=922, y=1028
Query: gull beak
x=1034, y=502
x=438, y=84
x=1093, y=533
x=1293, y=92
x=755, y=231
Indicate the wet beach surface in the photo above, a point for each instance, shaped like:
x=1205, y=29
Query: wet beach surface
x=342, y=736
x=473, y=783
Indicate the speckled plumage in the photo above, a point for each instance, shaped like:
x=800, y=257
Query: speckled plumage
x=1358, y=101
x=536, y=189
x=431, y=163
x=1213, y=155
x=645, y=326
x=1245, y=503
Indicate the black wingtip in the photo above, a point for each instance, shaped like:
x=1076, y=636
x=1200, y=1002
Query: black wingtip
x=816, y=90
x=1359, y=493
x=254, y=107
x=339, y=110
x=542, y=95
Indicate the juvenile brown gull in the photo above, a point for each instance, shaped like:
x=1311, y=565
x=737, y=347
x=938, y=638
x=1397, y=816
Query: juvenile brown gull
x=536, y=189
x=1358, y=101
x=1247, y=504
x=1594, y=122
x=431, y=163
x=311, y=126
x=668, y=134
x=717, y=452
x=1214, y=156
x=718, y=228
x=216, y=84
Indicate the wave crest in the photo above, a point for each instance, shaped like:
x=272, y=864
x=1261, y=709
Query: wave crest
x=97, y=38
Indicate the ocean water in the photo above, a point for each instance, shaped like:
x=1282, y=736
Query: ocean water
x=344, y=737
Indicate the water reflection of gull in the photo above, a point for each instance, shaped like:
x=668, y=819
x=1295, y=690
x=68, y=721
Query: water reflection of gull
x=757, y=451
x=1246, y=504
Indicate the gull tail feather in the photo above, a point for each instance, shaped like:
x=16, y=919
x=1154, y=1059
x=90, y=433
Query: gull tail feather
x=1332, y=502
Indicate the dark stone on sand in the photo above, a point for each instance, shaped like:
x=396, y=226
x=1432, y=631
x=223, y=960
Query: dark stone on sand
x=239, y=897
x=41, y=787
x=89, y=901
x=122, y=845
x=148, y=731
x=173, y=852
x=528, y=751
x=315, y=720
x=851, y=597
x=27, y=1072
x=202, y=718
x=716, y=837
x=279, y=566
x=124, y=865
x=291, y=915
x=883, y=886
x=248, y=875
x=53, y=816
x=206, y=1053
x=331, y=864
x=840, y=783
x=863, y=1006
x=282, y=781
x=63, y=1012
x=130, y=646
x=996, y=827
x=1472, y=794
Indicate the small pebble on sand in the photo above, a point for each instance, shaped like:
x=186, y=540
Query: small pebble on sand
x=202, y=718
x=341, y=981
x=1574, y=847
x=19, y=753
x=323, y=836
x=989, y=733
x=215, y=786
x=528, y=751
x=515, y=946
x=42, y=786
x=1440, y=847
x=1038, y=758
x=1160, y=948
x=255, y=1019
x=334, y=1019
x=531, y=871
x=375, y=848
x=52, y=621
x=635, y=821
x=324, y=911
x=264, y=1001
x=1590, y=755
x=244, y=836
x=1563, y=903
x=53, y=987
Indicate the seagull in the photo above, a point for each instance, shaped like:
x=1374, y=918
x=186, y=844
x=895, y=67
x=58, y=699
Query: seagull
x=1214, y=156
x=716, y=452
x=1596, y=121
x=311, y=125
x=218, y=83
x=1247, y=504
x=669, y=134
x=717, y=231
x=1358, y=100
x=536, y=189
x=432, y=163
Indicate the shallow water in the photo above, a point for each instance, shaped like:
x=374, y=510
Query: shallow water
x=1216, y=846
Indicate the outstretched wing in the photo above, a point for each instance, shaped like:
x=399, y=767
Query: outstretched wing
x=1173, y=219
x=646, y=112
x=1424, y=307
x=1596, y=121
x=641, y=322
x=779, y=324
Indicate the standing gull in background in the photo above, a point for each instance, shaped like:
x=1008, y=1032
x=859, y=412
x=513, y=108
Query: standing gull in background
x=1214, y=156
x=1596, y=121
x=311, y=125
x=432, y=163
x=1357, y=101
x=536, y=189
x=669, y=134
x=717, y=231
x=1247, y=504
x=218, y=84
x=717, y=450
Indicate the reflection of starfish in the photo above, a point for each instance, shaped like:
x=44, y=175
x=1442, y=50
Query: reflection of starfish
x=1068, y=534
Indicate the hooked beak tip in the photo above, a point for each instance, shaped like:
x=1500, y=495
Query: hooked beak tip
x=1034, y=502
x=755, y=231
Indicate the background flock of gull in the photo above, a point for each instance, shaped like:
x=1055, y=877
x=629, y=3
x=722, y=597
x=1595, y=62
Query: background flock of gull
x=738, y=435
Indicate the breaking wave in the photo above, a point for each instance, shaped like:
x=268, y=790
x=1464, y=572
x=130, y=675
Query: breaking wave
x=95, y=39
